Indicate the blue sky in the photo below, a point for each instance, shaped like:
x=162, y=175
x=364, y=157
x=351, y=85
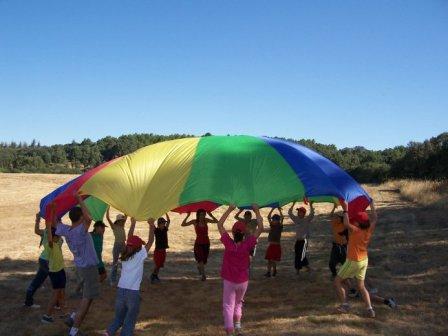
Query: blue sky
x=370, y=73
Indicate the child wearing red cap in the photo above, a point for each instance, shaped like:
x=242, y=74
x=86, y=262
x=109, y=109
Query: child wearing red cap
x=161, y=236
x=235, y=268
x=202, y=242
x=127, y=303
x=360, y=227
x=274, y=251
x=302, y=225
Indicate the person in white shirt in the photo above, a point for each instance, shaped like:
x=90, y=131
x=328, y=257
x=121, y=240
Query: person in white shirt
x=127, y=303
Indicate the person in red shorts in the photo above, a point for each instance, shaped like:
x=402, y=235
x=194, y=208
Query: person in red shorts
x=161, y=236
x=202, y=242
x=274, y=251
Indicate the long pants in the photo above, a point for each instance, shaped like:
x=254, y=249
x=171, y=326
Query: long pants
x=127, y=307
x=232, y=302
x=38, y=280
x=300, y=249
x=116, y=251
x=337, y=256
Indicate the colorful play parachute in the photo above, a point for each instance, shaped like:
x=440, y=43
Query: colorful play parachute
x=189, y=173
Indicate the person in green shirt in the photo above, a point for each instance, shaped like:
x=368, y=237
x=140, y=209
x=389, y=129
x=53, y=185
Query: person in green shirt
x=56, y=274
x=97, y=237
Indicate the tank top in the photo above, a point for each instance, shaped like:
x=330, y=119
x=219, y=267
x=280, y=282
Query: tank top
x=201, y=234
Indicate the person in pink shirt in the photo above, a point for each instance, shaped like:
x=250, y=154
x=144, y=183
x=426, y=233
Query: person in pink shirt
x=235, y=268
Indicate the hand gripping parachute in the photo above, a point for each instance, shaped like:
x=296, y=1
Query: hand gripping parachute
x=192, y=173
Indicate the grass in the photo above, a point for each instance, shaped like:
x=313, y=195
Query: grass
x=425, y=193
x=408, y=257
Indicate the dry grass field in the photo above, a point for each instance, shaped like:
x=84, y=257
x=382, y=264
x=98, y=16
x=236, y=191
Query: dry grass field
x=408, y=257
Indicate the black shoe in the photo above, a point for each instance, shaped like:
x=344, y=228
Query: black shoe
x=274, y=273
x=203, y=277
x=69, y=322
x=267, y=274
x=46, y=319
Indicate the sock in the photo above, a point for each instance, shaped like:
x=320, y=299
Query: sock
x=237, y=325
x=73, y=331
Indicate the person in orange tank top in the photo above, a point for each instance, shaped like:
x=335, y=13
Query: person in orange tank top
x=360, y=228
x=202, y=242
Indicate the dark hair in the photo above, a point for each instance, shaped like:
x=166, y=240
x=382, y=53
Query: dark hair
x=75, y=214
x=276, y=217
x=126, y=256
x=200, y=211
x=161, y=220
x=364, y=225
x=238, y=236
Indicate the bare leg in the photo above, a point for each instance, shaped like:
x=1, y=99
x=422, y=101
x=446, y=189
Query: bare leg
x=340, y=290
x=365, y=294
x=52, y=303
x=82, y=311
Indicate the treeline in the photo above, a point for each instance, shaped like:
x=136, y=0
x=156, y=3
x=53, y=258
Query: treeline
x=418, y=160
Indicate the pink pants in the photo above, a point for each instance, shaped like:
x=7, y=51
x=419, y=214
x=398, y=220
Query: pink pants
x=232, y=302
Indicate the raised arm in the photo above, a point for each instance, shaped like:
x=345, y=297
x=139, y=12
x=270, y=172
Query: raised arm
x=311, y=215
x=150, y=241
x=214, y=219
x=37, y=229
x=282, y=217
x=345, y=217
x=259, y=229
x=50, y=223
x=168, y=220
x=270, y=216
x=85, y=212
x=291, y=212
x=237, y=216
x=223, y=218
x=132, y=228
x=108, y=217
x=333, y=210
x=188, y=223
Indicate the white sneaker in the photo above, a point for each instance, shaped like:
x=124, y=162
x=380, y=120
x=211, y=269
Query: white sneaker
x=33, y=306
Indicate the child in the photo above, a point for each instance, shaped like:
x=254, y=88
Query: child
x=42, y=272
x=119, y=244
x=81, y=245
x=202, y=242
x=339, y=248
x=251, y=226
x=302, y=234
x=56, y=273
x=127, y=303
x=235, y=268
x=161, y=236
x=274, y=251
x=97, y=237
x=360, y=227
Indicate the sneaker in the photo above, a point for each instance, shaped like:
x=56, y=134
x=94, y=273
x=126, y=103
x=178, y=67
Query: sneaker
x=267, y=274
x=371, y=313
x=238, y=332
x=69, y=322
x=46, y=319
x=33, y=306
x=57, y=307
x=203, y=277
x=343, y=308
x=391, y=303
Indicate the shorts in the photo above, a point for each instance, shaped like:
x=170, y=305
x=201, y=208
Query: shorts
x=90, y=283
x=274, y=252
x=201, y=252
x=101, y=270
x=354, y=269
x=159, y=257
x=58, y=279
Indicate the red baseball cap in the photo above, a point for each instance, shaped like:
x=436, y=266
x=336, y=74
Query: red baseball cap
x=135, y=241
x=359, y=217
x=239, y=226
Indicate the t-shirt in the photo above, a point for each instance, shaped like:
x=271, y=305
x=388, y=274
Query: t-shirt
x=132, y=271
x=338, y=228
x=358, y=242
x=302, y=228
x=80, y=244
x=55, y=258
x=275, y=233
x=119, y=233
x=44, y=243
x=161, y=238
x=98, y=244
x=235, y=263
